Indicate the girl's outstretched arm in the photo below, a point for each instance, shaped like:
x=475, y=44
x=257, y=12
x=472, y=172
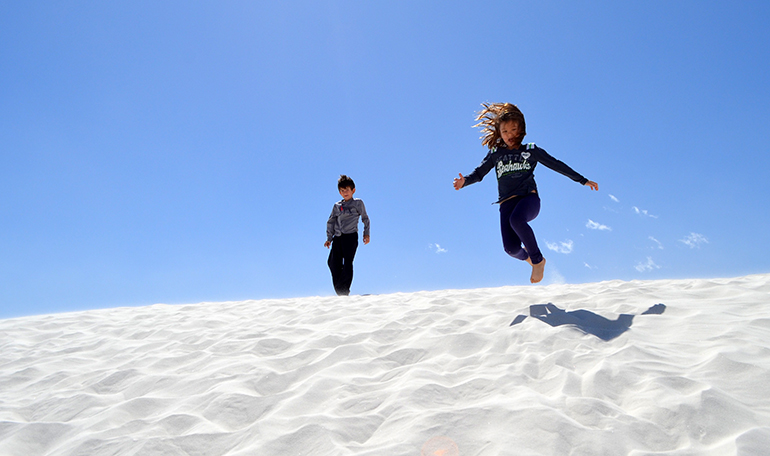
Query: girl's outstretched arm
x=593, y=185
x=459, y=182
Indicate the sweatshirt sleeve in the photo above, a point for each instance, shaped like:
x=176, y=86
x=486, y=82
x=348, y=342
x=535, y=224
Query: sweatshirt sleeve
x=560, y=167
x=330, y=224
x=478, y=174
x=364, y=218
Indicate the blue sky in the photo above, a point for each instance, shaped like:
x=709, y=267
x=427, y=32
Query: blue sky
x=179, y=152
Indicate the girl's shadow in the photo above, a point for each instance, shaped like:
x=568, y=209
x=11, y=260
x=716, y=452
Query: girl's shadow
x=584, y=320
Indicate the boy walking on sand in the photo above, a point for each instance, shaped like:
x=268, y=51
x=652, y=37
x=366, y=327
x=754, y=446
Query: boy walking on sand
x=342, y=235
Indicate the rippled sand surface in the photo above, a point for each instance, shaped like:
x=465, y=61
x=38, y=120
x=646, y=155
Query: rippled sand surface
x=434, y=373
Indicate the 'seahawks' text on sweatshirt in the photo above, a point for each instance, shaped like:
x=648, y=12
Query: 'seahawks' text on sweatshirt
x=515, y=169
x=344, y=218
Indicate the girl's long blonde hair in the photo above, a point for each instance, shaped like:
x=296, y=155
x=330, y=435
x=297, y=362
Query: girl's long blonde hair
x=490, y=118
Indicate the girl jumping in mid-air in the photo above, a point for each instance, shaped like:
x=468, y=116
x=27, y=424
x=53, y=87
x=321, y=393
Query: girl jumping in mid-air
x=504, y=129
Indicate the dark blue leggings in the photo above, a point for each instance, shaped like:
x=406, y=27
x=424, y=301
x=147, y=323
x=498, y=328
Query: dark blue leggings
x=514, y=217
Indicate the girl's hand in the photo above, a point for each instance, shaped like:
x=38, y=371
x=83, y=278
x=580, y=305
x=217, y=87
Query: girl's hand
x=593, y=185
x=327, y=244
x=366, y=239
x=458, y=183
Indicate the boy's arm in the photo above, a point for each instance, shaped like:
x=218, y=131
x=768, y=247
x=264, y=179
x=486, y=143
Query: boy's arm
x=365, y=219
x=330, y=224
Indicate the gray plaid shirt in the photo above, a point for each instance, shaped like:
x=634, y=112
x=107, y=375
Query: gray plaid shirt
x=344, y=218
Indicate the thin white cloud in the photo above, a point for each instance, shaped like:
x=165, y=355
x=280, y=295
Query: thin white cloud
x=560, y=247
x=597, y=226
x=437, y=248
x=589, y=266
x=612, y=197
x=555, y=277
x=649, y=265
x=658, y=244
x=694, y=240
x=644, y=212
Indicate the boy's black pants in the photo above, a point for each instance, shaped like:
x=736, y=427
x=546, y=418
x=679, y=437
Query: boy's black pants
x=341, y=262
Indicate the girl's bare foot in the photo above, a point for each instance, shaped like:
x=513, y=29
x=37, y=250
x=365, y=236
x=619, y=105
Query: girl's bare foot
x=537, y=271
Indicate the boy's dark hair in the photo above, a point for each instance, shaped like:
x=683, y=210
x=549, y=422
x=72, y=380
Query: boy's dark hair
x=492, y=116
x=345, y=182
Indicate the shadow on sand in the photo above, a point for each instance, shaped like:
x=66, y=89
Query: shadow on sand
x=584, y=320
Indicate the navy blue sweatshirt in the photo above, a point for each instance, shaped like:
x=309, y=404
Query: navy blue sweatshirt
x=515, y=169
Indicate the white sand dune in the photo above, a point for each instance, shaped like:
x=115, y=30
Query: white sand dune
x=439, y=373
